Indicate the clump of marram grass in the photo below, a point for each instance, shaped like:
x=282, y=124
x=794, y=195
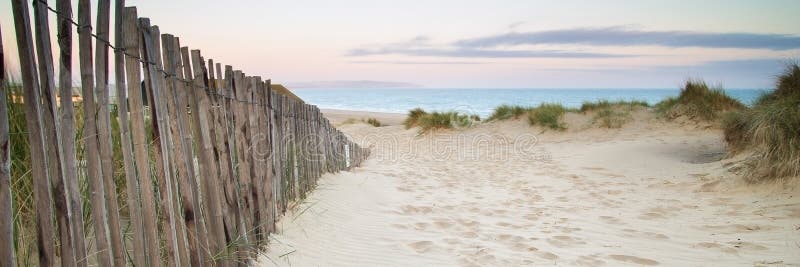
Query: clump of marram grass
x=371, y=121
x=444, y=120
x=612, y=114
x=771, y=128
x=698, y=102
x=438, y=120
x=349, y=121
x=374, y=122
x=504, y=112
x=605, y=104
x=548, y=115
x=413, y=117
x=612, y=118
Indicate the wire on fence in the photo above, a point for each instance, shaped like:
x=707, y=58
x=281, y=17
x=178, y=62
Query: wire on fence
x=108, y=44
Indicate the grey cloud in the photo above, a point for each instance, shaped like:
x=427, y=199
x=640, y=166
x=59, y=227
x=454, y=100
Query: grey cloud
x=622, y=36
x=459, y=52
x=404, y=62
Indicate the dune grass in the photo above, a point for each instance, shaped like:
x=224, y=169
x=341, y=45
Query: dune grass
x=444, y=120
x=548, y=115
x=504, y=112
x=612, y=114
x=413, y=117
x=371, y=121
x=605, y=104
x=374, y=122
x=771, y=128
x=698, y=102
x=428, y=121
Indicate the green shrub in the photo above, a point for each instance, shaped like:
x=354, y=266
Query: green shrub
x=374, y=122
x=349, y=121
x=413, y=117
x=547, y=115
x=771, y=128
x=605, y=104
x=611, y=118
x=698, y=102
x=444, y=120
x=504, y=112
x=612, y=114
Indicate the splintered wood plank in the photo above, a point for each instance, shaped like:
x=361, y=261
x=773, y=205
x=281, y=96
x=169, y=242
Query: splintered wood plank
x=104, y=130
x=6, y=212
x=139, y=253
x=140, y=142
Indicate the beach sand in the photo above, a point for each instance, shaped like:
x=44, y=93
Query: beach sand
x=337, y=116
x=507, y=194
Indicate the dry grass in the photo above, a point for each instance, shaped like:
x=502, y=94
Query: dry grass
x=612, y=114
x=771, y=128
x=374, y=122
x=605, y=104
x=698, y=102
x=504, y=112
x=548, y=116
x=428, y=121
x=413, y=117
x=371, y=121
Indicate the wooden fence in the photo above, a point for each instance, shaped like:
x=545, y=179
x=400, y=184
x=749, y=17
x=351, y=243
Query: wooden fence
x=212, y=157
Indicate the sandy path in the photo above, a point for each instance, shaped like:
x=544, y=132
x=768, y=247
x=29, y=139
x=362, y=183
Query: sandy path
x=639, y=197
x=337, y=116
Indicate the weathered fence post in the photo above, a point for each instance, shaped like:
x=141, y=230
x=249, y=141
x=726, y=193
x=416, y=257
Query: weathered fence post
x=155, y=86
x=181, y=137
x=33, y=117
x=200, y=108
x=140, y=252
x=69, y=164
x=140, y=144
x=52, y=129
x=243, y=168
x=234, y=184
x=6, y=214
x=104, y=130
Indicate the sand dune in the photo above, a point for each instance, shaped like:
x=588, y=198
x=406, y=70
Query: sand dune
x=506, y=194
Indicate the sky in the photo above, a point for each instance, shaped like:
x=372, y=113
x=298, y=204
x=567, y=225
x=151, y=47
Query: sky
x=483, y=44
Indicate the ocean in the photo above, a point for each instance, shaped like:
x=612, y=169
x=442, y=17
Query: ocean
x=483, y=101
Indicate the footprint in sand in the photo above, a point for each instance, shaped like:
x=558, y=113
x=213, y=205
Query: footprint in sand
x=469, y=234
x=715, y=246
x=408, y=210
x=563, y=241
x=589, y=260
x=442, y=224
x=652, y=216
x=610, y=220
x=649, y=235
x=421, y=246
x=547, y=256
x=634, y=259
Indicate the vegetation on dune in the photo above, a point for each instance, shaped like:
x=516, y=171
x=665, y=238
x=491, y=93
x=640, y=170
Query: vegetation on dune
x=413, y=117
x=548, y=115
x=504, y=112
x=371, y=121
x=698, y=102
x=612, y=114
x=771, y=128
x=374, y=122
x=605, y=104
x=444, y=120
x=428, y=121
